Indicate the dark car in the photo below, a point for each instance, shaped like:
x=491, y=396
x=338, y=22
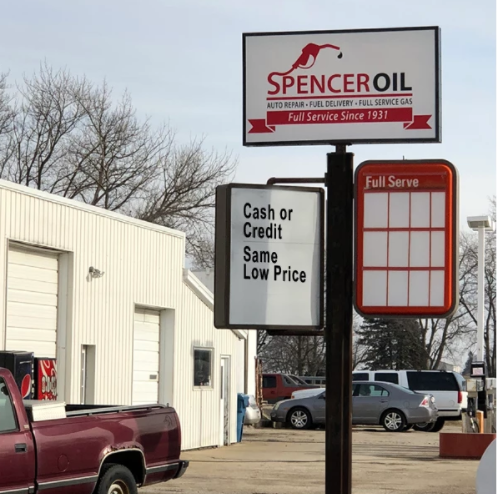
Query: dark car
x=390, y=405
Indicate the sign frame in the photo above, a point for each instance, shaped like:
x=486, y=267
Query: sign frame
x=437, y=115
x=222, y=271
x=454, y=237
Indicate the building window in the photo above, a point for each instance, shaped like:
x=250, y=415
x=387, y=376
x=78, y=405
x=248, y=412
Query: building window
x=202, y=367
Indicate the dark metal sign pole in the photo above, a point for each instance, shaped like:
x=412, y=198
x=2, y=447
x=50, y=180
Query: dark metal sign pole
x=338, y=324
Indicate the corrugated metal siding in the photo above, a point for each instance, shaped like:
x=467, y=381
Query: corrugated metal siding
x=143, y=266
x=201, y=407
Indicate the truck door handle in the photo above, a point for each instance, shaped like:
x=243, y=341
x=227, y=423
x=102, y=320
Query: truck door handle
x=383, y=401
x=21, y=448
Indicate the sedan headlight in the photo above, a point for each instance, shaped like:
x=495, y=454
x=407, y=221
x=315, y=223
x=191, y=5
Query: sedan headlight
x=276, y=406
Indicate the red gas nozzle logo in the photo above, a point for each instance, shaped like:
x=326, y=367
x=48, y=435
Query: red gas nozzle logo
x=309, y=52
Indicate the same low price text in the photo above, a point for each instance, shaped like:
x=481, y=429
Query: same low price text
x=274, y=231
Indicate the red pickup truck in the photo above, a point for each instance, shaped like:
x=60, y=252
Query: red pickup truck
x=277, y=387
x=51, y=448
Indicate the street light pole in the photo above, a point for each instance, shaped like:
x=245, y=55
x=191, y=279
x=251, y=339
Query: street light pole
x=481, y=224
x=481, y=294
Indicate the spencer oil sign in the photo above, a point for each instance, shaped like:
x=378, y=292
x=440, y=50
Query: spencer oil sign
x=342, y=87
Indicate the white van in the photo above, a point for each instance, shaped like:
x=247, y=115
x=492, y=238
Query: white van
x=448, y=388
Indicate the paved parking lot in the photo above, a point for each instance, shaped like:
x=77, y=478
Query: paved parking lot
x=282, y=461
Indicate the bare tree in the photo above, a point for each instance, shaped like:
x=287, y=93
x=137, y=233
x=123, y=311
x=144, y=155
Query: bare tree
x=67, y=136
x=46, y=112
x=6, y=111
x=183, y=195
x=300, y=355
x=359, y=351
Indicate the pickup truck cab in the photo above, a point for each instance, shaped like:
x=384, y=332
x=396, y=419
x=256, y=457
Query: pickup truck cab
x=277, y=387
x=83, y=449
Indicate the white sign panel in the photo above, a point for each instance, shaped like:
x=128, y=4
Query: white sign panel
x=360, y=86
x=269, y=257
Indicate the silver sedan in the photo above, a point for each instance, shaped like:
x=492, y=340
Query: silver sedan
x=373, y=403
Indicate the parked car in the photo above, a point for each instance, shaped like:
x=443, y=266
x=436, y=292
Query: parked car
x=276, y=387
x=305, y=393
x=252, y=412
x=48, y=447
x=448, y=388
x=390, y=405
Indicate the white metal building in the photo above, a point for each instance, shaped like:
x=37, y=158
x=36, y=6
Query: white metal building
x=108, y=296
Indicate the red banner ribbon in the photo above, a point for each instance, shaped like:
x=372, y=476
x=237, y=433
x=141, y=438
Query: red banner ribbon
x=259, y=127
x=419, y=122
x=355, y=115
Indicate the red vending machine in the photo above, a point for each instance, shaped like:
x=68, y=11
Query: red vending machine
x=45, y=379
x=21, y=366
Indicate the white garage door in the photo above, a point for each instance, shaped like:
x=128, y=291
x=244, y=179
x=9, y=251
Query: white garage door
x=32, y=286
x=146, y=357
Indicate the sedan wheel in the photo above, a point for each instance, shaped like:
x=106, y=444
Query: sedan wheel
x=393, y=421
x=300, y=418
x=424, y=426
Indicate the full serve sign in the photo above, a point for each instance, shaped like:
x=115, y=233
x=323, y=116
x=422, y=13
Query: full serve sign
x=269, y=257
x=341, y=86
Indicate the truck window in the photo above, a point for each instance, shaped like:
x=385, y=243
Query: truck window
x=432, y=381
x=288, y=381
x=269, y=382
x=7, y=415
x=389, y=377
x=298, y=380
x=360, y=376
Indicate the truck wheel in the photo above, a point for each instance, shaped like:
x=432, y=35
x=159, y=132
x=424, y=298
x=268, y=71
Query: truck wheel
x=116, y=479
x=424, y=426
x=393, y=421
x=299, y=418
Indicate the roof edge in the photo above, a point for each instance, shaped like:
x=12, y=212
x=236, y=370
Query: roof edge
x=72, y=203
x=207, y=297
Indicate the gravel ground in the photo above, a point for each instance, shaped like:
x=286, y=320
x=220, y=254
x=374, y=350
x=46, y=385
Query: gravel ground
x=282, y=461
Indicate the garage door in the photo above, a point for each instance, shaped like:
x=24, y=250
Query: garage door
x=146, y=357
x=32, y=286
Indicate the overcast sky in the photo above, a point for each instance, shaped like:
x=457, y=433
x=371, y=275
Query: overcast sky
x=182, y=62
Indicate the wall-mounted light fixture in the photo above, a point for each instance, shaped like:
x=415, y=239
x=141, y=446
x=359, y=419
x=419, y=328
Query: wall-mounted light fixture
x=95, y=273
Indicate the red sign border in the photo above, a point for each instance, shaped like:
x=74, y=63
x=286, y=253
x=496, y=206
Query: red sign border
x=451, y=253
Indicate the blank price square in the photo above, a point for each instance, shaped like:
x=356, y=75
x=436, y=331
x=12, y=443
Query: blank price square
x=398, y=285
x=399, y=210
x=420, y=210
x=375, y=249
x=419, y=251
x=376, y=210
x=419, y=288
x=398, y=249
x=375, y=288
